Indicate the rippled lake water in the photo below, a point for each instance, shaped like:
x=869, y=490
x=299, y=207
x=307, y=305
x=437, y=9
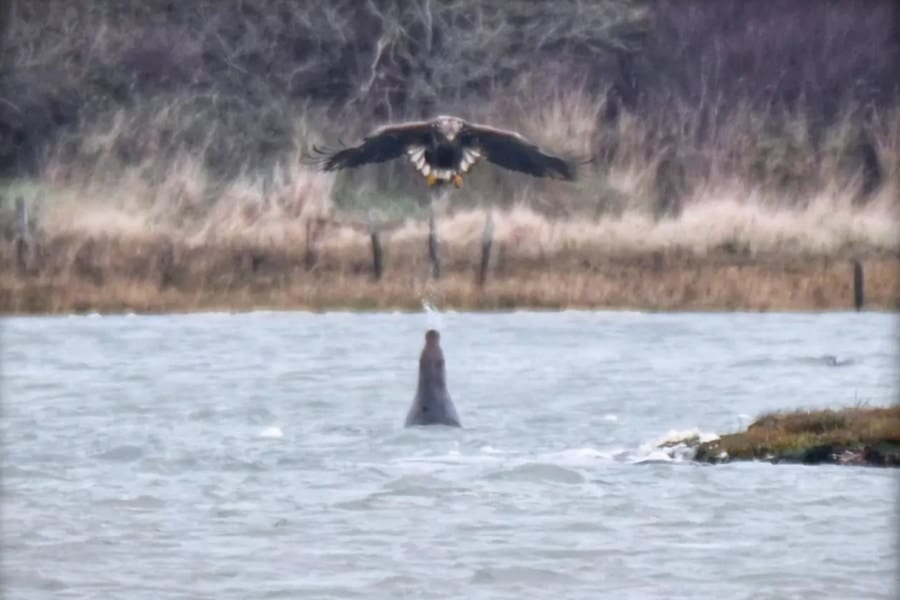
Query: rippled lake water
x=262, y=455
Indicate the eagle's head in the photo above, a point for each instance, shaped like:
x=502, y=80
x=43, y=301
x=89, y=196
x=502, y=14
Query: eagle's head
x=448, y=126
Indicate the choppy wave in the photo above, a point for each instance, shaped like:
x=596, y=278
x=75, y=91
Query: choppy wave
x=245, y=455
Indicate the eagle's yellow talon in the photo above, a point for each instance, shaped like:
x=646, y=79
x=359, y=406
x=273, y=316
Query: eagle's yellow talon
x=457, y=180
x=431, y=178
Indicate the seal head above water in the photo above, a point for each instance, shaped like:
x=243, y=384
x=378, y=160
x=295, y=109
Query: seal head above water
x=432, y=404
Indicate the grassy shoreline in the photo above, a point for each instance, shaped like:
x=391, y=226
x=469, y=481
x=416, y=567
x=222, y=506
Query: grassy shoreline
x=867, y=436
x=66, y=274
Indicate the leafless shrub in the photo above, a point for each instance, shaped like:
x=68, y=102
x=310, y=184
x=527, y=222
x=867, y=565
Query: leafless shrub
x=245, y=67
x=670, y=97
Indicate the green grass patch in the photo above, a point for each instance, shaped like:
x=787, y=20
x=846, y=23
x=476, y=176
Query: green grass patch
x=860, y=435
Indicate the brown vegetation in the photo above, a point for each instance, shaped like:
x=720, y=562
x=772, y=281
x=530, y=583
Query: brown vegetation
x=858, y=435
x=745, y=152
x=231, y=76
x=66, y=273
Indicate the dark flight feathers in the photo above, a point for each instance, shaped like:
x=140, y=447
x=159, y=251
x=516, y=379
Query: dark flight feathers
x=383, y=144
x=512, y=151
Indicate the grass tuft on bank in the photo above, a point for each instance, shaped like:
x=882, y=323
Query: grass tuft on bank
x=856, y=435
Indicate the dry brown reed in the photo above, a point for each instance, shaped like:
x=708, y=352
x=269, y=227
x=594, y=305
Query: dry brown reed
x=167, y=235
x=759, y=210
x=75, y=272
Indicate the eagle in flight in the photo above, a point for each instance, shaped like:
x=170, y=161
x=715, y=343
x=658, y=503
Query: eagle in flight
x=445, y=148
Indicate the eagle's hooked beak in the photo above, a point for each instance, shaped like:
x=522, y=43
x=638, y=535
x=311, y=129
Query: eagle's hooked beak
x=431, y=179
x=457, y=180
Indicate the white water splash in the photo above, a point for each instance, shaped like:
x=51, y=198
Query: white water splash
x=675, y=446
x=432, y=316
x=678, y=435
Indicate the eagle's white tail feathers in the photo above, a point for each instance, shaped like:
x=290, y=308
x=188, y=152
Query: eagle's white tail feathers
x=470, y=157
x=416, y=155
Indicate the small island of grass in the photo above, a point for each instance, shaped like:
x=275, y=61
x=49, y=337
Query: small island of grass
x=850, y=436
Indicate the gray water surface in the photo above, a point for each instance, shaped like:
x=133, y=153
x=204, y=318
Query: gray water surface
x=262, y=455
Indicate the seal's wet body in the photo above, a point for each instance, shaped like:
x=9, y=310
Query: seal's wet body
x=432, y=404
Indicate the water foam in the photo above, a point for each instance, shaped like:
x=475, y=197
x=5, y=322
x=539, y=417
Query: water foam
x=676, y=445
x=680, y=435
x=577, y=456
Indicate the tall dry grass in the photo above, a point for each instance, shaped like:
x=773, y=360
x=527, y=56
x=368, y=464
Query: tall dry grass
x=168, y=234
x=638, y=196
x=176, y=147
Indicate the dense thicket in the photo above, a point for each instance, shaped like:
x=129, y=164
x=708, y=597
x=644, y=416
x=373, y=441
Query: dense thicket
x=229, y=77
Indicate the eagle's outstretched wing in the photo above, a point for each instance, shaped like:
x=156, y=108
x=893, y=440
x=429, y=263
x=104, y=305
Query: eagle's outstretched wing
x=510, y=150
x=383, y=144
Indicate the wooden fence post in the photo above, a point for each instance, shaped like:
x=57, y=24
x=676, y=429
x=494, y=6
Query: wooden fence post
x=166, y=264
x=433, y=248
x=858, y=285
x=377, y=254
x=487, y=239
x=309, y=257
x=23, y=236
